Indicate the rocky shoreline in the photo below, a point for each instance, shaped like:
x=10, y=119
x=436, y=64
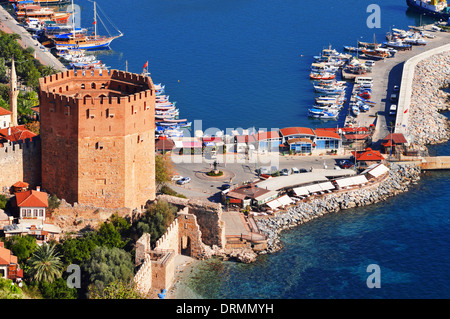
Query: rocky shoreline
x=426, y=124
x=397, y=181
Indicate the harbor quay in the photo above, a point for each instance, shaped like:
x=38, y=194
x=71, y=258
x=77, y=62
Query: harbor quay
x=400, y=71
x=283, y=177
x=9, y=25
x=387, y=74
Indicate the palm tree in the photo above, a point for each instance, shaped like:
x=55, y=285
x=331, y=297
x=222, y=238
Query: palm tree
x=45, y=264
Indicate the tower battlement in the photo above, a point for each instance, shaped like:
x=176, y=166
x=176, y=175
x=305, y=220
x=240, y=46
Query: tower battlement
x=97, y=130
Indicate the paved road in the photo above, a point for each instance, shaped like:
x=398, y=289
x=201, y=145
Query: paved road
x=240, y=172
x=10, y=25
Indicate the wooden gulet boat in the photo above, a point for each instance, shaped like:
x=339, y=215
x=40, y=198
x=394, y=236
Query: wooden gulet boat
x=24, y=12
x=83, y=41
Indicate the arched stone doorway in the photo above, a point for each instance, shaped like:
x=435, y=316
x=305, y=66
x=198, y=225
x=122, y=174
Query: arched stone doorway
x=185, y=248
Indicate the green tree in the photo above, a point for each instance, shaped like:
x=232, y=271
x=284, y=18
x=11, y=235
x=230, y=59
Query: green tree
x=58, y=289
x=45, y=264
x=77, y=250
x=108, y=236
x=3, y=70
x=9, y=290
x=107, y=265
x=114, y=290
x=157, y=217
x=163, y=170
x=22, y=247
x=3, y=201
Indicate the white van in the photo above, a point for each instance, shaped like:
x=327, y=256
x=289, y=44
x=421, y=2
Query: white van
x=393, y=109
x=363, y=79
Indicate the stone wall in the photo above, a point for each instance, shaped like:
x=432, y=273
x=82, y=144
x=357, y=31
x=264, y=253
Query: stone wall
x=396, y=181
x=426, y=124
x=76, y=217
x=170, y=239
x=208, y=216
x=143, y=278
x=20, y=162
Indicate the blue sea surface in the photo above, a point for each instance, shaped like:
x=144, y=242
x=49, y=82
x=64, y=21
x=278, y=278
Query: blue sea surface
x=242, y=64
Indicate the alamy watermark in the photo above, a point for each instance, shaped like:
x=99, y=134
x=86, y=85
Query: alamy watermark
x=74, y=279
x=374, y=19
x=374, y=279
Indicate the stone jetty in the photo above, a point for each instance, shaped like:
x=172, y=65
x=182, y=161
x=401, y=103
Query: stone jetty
x=426, y=124
x=397, y=181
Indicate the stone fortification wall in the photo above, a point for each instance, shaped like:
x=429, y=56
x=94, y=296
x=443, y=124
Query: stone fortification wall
x=170, y=239
x=397, y=181
x=421, y=98
x=20, y=162
x=143, y=278
x=73, y=218
x=208, y=216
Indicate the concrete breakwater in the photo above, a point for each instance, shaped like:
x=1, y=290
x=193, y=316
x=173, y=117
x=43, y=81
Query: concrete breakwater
x=397, y=181
x=426, y=125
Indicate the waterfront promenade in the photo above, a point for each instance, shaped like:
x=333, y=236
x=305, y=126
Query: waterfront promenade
x=9, y=25
x=388, y=73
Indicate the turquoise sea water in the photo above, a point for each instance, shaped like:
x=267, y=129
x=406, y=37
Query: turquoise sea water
x=246, y=63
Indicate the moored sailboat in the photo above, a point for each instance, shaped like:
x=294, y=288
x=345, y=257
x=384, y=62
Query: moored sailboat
x=83, y=41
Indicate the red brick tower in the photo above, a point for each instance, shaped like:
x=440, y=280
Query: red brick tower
x=98, y=136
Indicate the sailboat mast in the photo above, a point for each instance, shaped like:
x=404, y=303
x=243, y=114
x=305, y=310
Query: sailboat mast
x=95, y=20
x=73, y=19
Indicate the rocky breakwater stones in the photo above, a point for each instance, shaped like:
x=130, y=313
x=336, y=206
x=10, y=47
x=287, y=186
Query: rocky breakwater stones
x=397, y=181
x=426, y=124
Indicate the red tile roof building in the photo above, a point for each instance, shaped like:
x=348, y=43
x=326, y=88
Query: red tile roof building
x=5, y=118
x=32, y=204
x=16, y=134
x=9, y=267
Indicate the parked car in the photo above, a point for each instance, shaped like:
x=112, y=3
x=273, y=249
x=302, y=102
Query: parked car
x=393, y=109
x=345, y=164
x=225, y=186
x=396, y=88
x=176, y=178
x=295, y=170
x=184, y=180
x=303, y=170
x=284, y=172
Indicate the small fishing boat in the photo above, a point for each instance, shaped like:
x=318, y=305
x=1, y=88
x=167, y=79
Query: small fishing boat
x=322, y=76
x=352, y=49
x=328, y=91
x=355, y=109
x=397, y=44
x=364, y=95
x=159, y=88
x=322, y=114
x=368, y=45
x=366, y=101
x=363, y=107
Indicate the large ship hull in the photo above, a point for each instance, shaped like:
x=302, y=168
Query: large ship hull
x=416, y=5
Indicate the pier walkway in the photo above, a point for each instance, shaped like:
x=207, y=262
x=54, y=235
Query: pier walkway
x=435, y=163
x=9, y=25
x=389, y=72
x=404, y=102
